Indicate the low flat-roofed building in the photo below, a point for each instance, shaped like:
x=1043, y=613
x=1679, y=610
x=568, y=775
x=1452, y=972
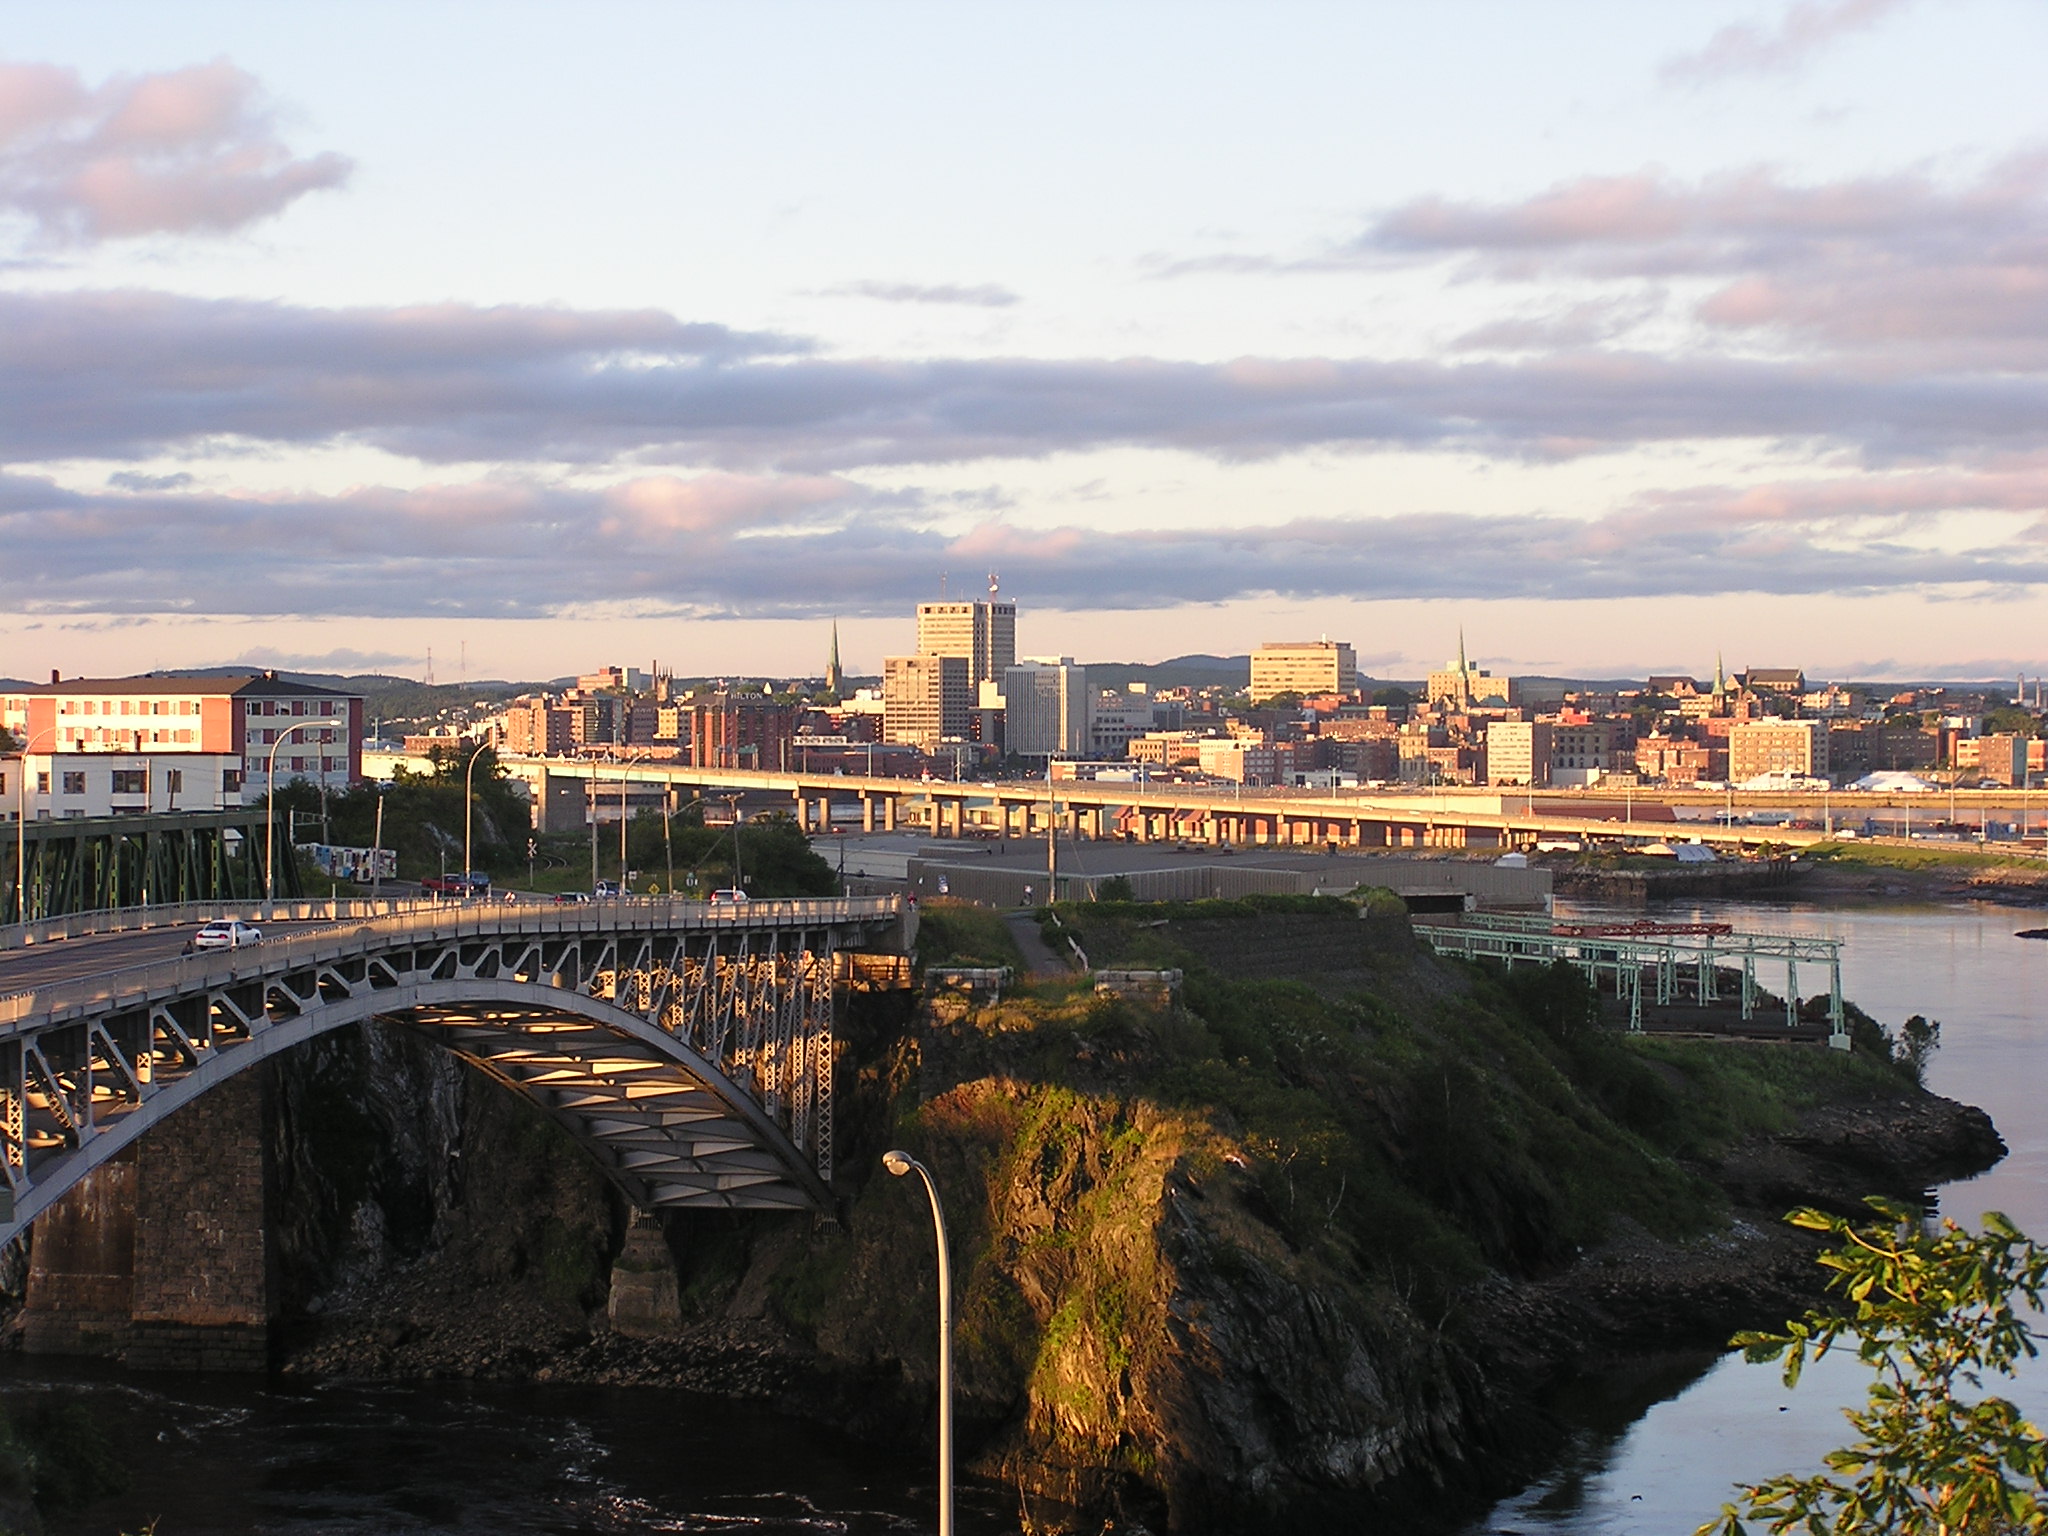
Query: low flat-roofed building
x=239, y=720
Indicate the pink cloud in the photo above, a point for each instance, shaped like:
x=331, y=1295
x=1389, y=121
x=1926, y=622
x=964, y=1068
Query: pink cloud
x=187, y=151
x=1805, y=30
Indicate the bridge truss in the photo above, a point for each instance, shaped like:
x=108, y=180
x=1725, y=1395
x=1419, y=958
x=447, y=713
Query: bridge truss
x=1671, y=963
x=690, y=1052
x=99, y=863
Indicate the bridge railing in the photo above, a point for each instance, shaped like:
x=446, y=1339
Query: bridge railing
x=433, y=922
x=79, y=925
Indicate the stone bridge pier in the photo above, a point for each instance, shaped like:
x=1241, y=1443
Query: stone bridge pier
x=165, y=1255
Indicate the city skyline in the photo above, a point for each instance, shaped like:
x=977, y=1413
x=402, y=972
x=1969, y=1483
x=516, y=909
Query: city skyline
x=1618, y=336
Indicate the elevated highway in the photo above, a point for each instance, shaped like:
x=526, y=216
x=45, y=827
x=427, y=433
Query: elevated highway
x=565, y=789
x=689, y=1048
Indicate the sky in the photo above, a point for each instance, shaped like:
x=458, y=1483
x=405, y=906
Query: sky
x=533, y=338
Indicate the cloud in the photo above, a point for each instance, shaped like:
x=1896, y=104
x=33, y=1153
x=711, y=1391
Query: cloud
x=770, y=546
x=141, y=375
x=1805, y=30
x=987, y=295
x=346, y=661
x=185, y=151
x=1902, y=269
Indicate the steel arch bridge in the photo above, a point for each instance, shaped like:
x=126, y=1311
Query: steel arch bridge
x=689, y=1048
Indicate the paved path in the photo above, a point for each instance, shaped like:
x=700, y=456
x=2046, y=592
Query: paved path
x=1040, y=959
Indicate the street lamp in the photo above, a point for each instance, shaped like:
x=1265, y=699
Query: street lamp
x=899, y=1163
x=270, y=809
x=468, y=819
x=21, y=823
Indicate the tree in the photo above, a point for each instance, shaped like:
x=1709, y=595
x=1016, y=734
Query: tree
x=1931, y=1314
x=1116, y=888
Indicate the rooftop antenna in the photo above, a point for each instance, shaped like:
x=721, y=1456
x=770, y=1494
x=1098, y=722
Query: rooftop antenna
x=430, y=666
x=942, y=586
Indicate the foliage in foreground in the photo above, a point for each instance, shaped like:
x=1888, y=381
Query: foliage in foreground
x=1932, y=1313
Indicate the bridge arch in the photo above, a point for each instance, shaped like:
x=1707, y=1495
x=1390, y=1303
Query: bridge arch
x=689, y=1052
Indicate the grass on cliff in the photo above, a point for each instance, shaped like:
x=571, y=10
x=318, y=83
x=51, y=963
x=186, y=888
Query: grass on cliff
x=959, y=933
x=1854, y=855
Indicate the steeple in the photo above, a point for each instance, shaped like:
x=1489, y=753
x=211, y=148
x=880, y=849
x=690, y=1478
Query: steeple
x=835, y=679
x=1720, y=677
x=1462, y=668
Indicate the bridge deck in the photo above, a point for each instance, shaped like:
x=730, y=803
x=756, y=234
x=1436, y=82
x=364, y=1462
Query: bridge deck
x=687, y=1046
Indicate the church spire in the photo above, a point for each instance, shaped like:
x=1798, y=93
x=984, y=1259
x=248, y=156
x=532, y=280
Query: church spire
x=835, y=679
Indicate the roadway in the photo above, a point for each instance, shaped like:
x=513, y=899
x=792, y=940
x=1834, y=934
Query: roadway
x=40, y=965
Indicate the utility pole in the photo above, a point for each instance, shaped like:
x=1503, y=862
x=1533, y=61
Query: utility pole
x=1052, y=837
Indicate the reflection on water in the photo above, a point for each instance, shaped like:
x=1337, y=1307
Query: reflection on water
x=229, y=1455
x=1680, y=1460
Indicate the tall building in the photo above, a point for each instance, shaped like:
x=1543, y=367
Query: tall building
x=925, y=700
x=1046, y=708
x=1796, y=747
x=1519, y=752
x=984, y=635
x=1304, y=667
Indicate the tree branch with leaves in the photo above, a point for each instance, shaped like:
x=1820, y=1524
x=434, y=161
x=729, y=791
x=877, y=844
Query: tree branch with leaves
x=1932, y=1314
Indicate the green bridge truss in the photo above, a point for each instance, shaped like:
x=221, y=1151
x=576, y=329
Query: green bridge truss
x=133, y=861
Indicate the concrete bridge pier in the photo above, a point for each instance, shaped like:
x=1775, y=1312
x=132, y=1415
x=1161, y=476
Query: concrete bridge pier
x=166, y=1258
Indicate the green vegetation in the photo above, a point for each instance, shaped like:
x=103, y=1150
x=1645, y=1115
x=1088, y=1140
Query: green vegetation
x=959, y=933
x=424, y=824
x=54, y=1454
x=1931, y=1314
x=1259, y=1180
x=1884, y=856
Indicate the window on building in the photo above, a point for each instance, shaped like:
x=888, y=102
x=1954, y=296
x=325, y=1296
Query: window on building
x=74, y=783
x=231, y=781
x=129, y=781
x=174, y=780
x=42, y=783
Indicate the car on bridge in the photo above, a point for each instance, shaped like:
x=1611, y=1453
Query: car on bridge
x=458, y=887
x=232, y=934
x=728, y=897
x=572, y=898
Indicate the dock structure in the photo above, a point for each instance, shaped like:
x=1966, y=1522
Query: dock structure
x=1674, y=964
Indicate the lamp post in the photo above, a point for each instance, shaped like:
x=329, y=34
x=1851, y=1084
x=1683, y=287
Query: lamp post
x=900, y=1163
x=468, y=818
x=270, y=809
x=21, y=823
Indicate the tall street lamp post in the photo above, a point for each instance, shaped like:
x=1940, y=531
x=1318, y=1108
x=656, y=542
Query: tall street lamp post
x=900, y=1163
x=21, y=823
x=469, y=819
x=270, y=809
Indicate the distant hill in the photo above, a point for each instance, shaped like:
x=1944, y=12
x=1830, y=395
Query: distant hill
x=1199, y=671
x=394, y=700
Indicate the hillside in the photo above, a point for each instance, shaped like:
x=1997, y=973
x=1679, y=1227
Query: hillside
x=1274, y=1250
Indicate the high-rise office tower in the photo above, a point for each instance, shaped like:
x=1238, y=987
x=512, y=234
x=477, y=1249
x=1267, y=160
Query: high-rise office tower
x=984, y=634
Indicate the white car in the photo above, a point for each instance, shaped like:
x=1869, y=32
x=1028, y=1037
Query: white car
x=727, y=897
x=232, y=934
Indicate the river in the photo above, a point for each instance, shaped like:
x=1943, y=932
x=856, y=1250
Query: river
x=1662, y=1454
x=1657, y=1452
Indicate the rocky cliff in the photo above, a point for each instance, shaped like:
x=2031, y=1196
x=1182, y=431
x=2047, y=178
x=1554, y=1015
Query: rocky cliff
x=1222, y=1262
